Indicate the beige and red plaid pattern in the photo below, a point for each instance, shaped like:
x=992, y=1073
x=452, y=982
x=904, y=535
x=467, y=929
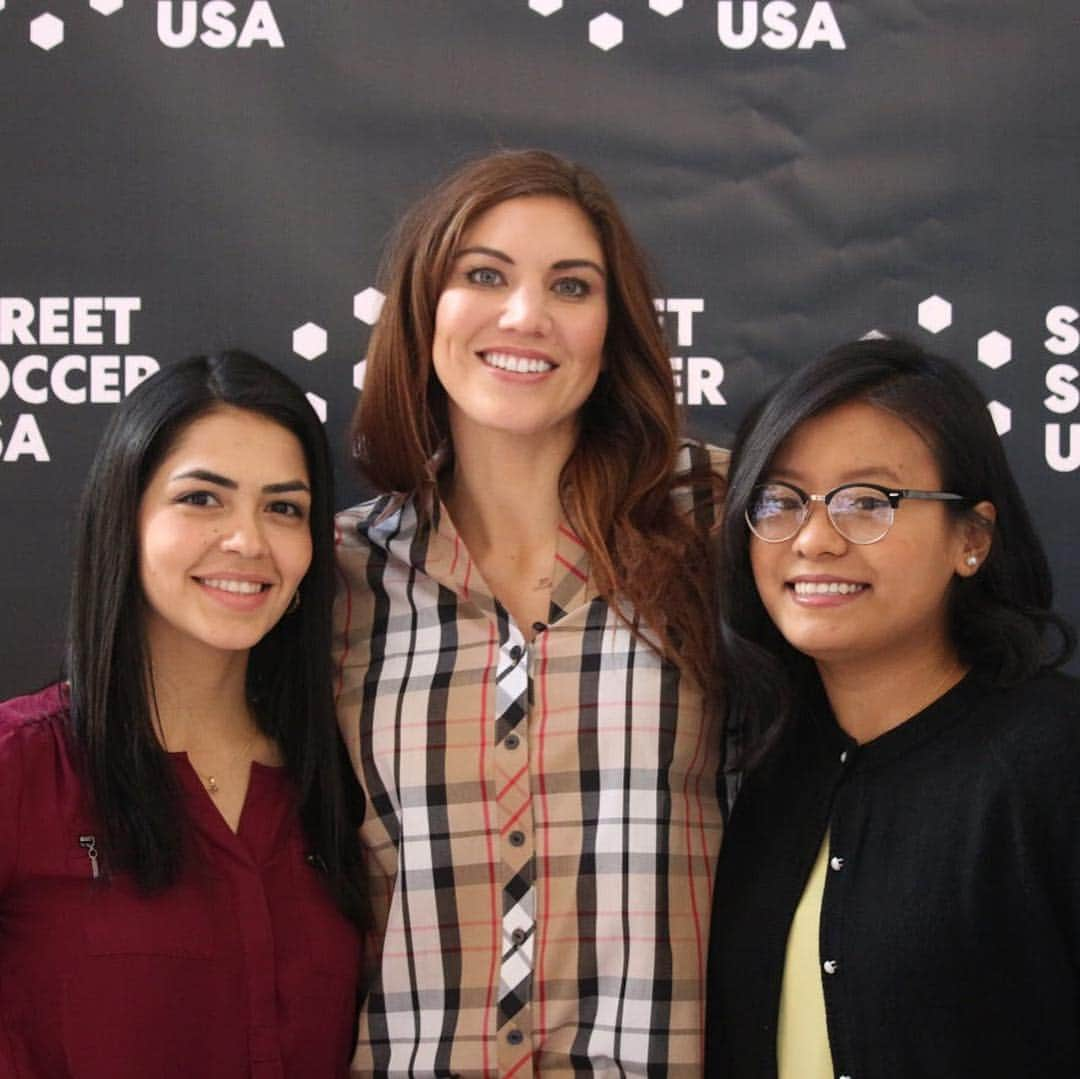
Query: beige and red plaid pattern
x=543, y=818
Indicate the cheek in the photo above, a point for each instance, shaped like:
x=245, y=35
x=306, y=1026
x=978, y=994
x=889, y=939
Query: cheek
x=590, y=334
x=454, y=315
x=762, y=566
x=295, y=558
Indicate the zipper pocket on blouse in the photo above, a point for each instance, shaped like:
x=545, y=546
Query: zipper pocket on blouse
x=89, y=844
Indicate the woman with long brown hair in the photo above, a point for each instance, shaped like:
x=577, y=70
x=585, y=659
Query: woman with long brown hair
x=524, y=644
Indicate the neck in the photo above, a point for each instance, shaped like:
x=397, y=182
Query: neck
x=199, y=701
x=869, y=700
x=506, y=492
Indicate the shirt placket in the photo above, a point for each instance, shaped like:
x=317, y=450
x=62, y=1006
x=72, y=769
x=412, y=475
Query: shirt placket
x=239, y=865
x=516, y=848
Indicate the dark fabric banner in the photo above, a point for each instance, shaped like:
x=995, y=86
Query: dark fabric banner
x=186, y=176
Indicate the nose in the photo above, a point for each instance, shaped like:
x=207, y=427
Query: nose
x=525, y=310
x=818, y=537
x=243, y=535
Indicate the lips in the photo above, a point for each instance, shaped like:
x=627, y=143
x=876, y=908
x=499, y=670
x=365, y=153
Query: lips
x=517, y=363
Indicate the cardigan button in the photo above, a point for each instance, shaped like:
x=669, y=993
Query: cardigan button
x=836, y=863
x=843, y=757
x=830, y=966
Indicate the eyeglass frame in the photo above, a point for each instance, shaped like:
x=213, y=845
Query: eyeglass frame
x=893, y=495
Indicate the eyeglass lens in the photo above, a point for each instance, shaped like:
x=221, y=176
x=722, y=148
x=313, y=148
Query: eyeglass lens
x=860, y=514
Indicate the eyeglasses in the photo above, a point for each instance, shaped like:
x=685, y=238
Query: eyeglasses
x=860, y=512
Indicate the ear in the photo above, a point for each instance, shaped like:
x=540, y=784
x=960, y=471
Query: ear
x=977, y=535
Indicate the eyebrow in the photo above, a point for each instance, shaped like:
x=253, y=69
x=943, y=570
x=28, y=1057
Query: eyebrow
x=502, y=256
x=223, y=481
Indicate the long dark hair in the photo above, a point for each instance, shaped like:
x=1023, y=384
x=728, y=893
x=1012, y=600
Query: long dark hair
x=997, y=618
x=134, y=794
x=617, y=485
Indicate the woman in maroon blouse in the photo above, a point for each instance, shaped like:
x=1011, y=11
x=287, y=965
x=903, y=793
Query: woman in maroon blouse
x=179, y=882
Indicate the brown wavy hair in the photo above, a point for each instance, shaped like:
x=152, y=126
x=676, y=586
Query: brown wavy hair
x=617, y=485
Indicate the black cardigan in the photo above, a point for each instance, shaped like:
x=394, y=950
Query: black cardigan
x=950, y=928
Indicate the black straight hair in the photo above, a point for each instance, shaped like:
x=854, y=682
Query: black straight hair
x=997, y=618
x=134, y=794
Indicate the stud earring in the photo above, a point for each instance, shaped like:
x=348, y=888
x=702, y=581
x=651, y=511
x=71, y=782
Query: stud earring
x=972, y=561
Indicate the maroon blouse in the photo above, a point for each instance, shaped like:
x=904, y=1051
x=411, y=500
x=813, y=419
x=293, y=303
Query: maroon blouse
x=243, y=968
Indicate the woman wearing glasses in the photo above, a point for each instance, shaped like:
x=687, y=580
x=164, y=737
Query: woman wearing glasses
x=899, y=890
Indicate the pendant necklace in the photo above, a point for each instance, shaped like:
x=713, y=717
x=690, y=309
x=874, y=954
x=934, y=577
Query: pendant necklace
x=210, y=781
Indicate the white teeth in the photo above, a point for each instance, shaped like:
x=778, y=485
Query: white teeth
x=826, y=588
x=506, y=361
x=225, y=584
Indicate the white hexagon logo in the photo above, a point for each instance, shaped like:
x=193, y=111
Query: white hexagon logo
x=367, y=305
x=107, y=7
x=309, y=341
x=1002, y=417
x=358, y=372
x=995, y=349
x=318, y=404
x=935, y=314
x=46, y=31
x=605, y=31
x=545, y=7
x=666, y=7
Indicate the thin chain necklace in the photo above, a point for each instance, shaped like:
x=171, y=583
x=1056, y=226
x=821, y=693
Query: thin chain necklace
x=211, y=782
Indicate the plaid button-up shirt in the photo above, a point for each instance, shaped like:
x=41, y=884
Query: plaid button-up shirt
x=543, y=818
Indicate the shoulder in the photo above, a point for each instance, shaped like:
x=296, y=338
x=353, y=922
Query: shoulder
x=701, y=459
x=33, y=720
x=700, y=480
x=1048, y=702
x=21, y=715
x=1033, y=729
x=353, y=524
x=373, y=524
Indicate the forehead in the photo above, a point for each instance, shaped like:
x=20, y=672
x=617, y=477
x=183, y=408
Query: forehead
x=857, y=440
x=541, y=226
x=242, y=439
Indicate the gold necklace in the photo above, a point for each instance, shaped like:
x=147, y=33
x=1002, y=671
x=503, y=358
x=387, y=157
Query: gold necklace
x=210, y=781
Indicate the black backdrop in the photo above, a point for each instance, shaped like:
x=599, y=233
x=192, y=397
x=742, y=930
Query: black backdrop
x=186, y=176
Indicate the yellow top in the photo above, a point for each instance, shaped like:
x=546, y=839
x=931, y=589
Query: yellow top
x=802, y=1037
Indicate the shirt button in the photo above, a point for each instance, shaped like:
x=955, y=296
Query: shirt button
x=517, y=839
x=519, y=936
x=515, y=653
x=843, y=757
x=515, y=1037
x=830, y=966
x=836, y=862
x=511, y=741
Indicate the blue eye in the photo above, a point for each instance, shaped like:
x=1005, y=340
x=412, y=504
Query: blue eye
x=572, y=287
x=484, y=275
